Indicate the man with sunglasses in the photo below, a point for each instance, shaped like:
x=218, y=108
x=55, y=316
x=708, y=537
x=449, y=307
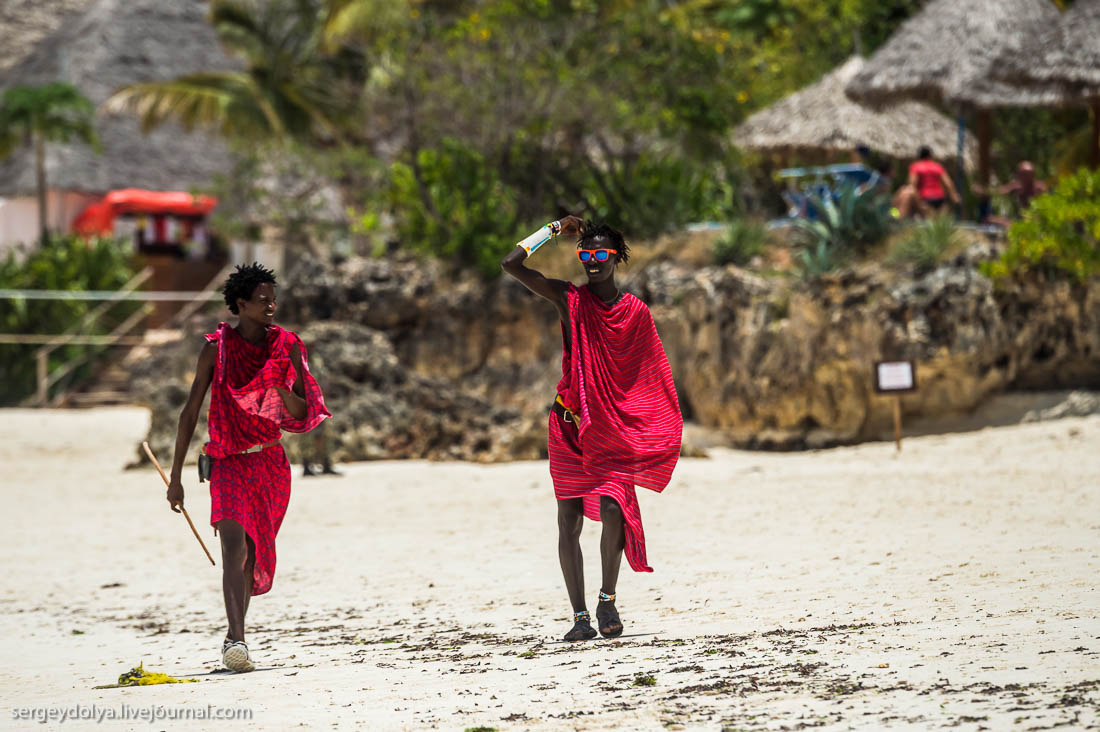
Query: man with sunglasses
x=615, y=423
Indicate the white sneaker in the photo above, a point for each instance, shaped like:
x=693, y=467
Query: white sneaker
x=235, y=656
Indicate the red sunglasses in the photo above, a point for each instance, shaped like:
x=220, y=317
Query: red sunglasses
x=601, y=255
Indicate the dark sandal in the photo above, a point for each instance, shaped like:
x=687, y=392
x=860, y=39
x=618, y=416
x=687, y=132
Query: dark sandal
x=608, y=620
x=582, y=628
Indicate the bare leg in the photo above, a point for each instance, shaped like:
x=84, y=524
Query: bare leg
x=906, y=201
x=238, y=558
x=611, y=552
x=570, y=522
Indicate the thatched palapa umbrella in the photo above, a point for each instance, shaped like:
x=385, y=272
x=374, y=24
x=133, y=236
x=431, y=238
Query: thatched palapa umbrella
x=821, y=118
x=1065, y=59
x=947, y=53
x=109, y=44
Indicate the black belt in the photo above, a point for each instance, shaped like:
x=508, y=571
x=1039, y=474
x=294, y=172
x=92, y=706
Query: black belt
x=566, y=415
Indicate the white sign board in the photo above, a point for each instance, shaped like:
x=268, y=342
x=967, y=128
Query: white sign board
x=895, y=376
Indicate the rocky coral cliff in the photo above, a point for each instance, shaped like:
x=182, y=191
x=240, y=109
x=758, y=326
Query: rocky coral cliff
x=785, y=367
x=421, y=363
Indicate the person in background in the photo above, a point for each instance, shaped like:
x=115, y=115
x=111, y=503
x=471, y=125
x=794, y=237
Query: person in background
x=927, y=190
x=1020, y=191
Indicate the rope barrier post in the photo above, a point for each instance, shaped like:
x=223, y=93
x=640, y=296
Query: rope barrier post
x=42, y=363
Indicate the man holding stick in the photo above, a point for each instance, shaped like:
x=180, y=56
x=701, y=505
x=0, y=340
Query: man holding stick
x=261, y=385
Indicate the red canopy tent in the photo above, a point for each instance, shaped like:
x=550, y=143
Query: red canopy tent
x=99, y=218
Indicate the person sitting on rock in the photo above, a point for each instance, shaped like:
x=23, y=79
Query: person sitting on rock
x=260, y=385
x=615, y=423
x=925, y=194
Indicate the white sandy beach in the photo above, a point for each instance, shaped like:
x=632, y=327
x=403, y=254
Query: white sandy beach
x=953, y=585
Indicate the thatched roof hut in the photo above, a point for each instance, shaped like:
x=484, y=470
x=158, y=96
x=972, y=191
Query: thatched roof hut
x=1065, y=56
x=821, y=118
x=111, y=44
x=947, y=53
x=23, y=23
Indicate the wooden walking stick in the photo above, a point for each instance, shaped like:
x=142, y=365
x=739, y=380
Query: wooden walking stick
x=149, y=452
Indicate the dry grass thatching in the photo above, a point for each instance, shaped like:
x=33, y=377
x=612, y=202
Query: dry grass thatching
x=820, y=118
x=111, y=44
x=23, y=23
x=1065, y=56
x=948, y=51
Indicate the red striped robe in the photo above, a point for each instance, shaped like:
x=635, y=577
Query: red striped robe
x=616, y=380
x=246, y=410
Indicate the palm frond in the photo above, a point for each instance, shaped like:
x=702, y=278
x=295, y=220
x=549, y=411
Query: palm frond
x=364, y=20
x=225, y=100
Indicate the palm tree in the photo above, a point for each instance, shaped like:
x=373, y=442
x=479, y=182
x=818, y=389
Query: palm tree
x=290, y=87
x=56, y=112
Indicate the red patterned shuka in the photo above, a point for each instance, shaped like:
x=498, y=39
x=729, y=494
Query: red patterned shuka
x=617, y=382
x=245, y=410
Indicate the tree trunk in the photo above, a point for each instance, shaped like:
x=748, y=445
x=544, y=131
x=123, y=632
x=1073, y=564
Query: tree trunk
x=985, y=137
x=40, y=179
x=1094, y=144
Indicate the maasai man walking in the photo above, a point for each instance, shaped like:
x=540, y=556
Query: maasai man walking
x=261, y=386
x=615, y=423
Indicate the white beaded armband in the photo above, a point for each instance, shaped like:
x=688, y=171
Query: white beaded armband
x=540, y=237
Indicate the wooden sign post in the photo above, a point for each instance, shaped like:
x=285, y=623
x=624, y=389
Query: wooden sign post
x=896, y=378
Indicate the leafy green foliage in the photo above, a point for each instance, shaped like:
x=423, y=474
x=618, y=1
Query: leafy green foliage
x=449, y=202
x=618, y=111
x=926, y=244
x=1046, y=137
x=742, y=240
x=1059, y=235
x=846, y=226
x=61, y=263
x=55, y=112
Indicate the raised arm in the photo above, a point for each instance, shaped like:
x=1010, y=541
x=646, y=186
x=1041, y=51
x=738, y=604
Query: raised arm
x=189, y=417
x=550, y=289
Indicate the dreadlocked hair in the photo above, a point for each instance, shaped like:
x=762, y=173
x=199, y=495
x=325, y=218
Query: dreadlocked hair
x=243, y=282
x=603, y=231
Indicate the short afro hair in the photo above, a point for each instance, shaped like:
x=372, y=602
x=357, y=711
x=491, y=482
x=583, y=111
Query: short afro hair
x=243, y=282
x=603, y=231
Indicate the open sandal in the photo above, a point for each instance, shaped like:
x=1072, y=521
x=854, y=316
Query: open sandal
x=582, y=627
x=607, y=619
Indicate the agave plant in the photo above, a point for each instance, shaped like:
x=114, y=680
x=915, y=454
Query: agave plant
x=846, y=224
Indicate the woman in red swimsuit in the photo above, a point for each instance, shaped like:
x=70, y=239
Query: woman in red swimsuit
x=928, y=187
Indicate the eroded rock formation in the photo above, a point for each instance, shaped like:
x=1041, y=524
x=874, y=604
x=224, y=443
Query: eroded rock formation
x=421, y=363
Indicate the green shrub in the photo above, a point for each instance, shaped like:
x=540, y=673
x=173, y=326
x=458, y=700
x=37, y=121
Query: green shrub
x=927, y=243
x=1059, y=235
x=656, y=193
x=847, y=226
x=450, y=203
x=61, y=263
x=742, y=241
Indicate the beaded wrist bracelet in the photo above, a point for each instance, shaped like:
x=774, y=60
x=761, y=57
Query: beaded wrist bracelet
x=540, y=237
